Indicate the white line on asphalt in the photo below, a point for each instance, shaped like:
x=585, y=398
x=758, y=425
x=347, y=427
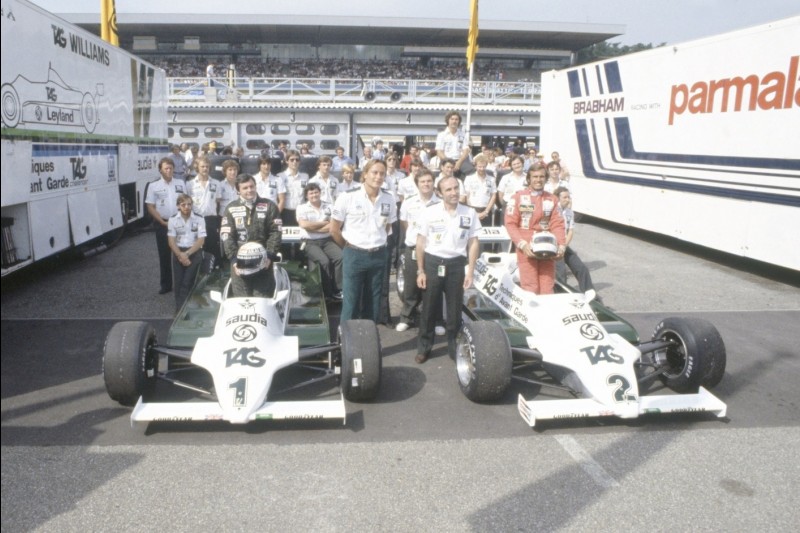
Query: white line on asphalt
x=589, y=465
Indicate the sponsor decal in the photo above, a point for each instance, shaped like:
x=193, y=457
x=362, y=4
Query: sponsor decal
x=572, y=415
x=304, y=417
x=688, y=410
x=253, y=317
x=579, y=317
x=172, y=419
x=604, y=353
x=600, y=105
x=244, y=357
x=244, y=333
x=621, y=388
x=592, y=332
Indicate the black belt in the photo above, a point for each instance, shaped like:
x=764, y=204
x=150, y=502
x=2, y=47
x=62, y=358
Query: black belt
x=184, y=249
x=368, y=250
x=436, y=260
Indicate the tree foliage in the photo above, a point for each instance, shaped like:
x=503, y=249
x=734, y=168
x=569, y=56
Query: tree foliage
x=605, y=50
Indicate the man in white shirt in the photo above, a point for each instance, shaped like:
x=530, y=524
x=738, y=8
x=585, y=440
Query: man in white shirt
x=294, y=181
x=452, y=143
x=446, y=243
x=328, y=184
x=162, y=203
x=480, y=191
x=205, y=195
x=186, y=232
x=268, y=185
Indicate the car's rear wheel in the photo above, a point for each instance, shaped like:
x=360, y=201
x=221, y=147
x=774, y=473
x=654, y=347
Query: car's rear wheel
x=483, y=361
x=10, y=105
x=696, y=356
x=130, y=364
x=361, y=360
x=89, y=112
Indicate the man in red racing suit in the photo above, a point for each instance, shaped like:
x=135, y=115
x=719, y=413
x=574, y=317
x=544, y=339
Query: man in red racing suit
x=531, y=211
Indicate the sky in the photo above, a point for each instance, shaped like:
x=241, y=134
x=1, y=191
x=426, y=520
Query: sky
x=647, y=21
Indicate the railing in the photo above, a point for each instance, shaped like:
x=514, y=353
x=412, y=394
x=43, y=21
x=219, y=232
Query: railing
x=343, y=90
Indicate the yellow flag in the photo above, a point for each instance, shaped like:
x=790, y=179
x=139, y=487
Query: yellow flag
x=472, y=40
x=108, y=22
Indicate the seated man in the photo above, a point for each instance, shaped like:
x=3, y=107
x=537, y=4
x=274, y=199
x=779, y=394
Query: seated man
x=251, y=219
x=314, y=216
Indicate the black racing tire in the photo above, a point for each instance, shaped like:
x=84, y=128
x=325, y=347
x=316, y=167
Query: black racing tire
x=10, y=106
x=130, y=365
x=361, y=360
x=483, y=361
x=697, y=357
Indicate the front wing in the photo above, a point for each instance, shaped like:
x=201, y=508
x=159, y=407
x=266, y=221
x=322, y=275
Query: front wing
x=703, y=401
x=211, y=410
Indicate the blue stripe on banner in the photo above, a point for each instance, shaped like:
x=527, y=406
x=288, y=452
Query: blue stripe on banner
x=585, y=82
x=622, y=128
x=574, y=84
x=613, y=79
x=599, y=79
x=585, y=142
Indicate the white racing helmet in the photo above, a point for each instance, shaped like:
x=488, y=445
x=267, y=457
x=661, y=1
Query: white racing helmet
x=251, y=258
x=545, y=245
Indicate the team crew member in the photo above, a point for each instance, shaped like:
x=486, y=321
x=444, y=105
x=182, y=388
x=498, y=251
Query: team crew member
x=294, y=181
x=360, y=224
x=348, y=183
x=446, y=171
x=408, y=185
x=447, y=242
x=453, y=143
x=162, y=203
x=186, y=232
x=571, y=259
x=481, y=191
x=270, y=186
x=251, y=219
x=410, y=213
x=314, y=216
x=511, y=183
x=531, y=211
x=328, y=184
x=205, y=196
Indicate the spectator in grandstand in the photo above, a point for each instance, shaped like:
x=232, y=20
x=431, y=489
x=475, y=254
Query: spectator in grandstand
x=411, y=153
x=186, y=233
x=564, y=175
x=329, y=185
x=314, y=216
x=210, y=74
x=348, y=183
x=248, y=220
x=340, y=160
x=452, y=143
x=360, y=224
x=227, y=187
x=269, y=185
x=295, y=181
x=205, y=194
x=481, y=191
x=367, y=157
x=179, y=161
x=161, y=200
x=570, y=258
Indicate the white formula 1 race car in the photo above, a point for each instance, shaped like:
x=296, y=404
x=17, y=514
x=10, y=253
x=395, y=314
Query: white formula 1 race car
x=223, y=355
x=572, y=344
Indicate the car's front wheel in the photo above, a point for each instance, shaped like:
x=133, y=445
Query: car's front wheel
x=696, y=356
x=130, y=365
x=483, y=361
x=360, y=359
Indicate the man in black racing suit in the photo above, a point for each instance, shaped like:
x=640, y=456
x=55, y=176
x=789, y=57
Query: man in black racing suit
x=251, y=218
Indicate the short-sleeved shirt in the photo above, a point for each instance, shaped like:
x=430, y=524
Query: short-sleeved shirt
x=204, y=196
x=328, y=189
x=510, y=184
x=164, y=196
x=479, y=190
x=271, y=187
x=309, y=213
x=452, y=144
x=407, y=188
x=227, y=194
x=390, y=183
x=186, y=232
x=364, y=223
x=344, y=186
x=447, y=235
x=294, y=188
x=568, y=216
x=411, y=211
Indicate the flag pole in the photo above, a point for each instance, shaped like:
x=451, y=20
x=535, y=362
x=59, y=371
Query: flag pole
x=472, y=49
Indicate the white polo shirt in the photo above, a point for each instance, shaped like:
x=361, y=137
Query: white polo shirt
x=227, y=194
x=411, y=211
x=510, y=184
x=328, y=189
x=364, y=223
x=479, y=190
x=270, y=187
x=309, y=213
x=447, y=235
x=452, y=144
x=294, y=188
x=186, y=232
x=407, y=188
x=204, y=196
x=164, y=196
